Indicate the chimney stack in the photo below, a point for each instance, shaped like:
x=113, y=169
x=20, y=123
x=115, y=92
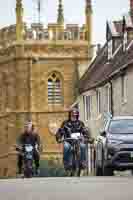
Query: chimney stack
x=131, y=6
x=98, y=48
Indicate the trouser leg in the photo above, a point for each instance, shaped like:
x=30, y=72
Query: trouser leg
x=20, y=163
x=37, y=159
x=67, y=158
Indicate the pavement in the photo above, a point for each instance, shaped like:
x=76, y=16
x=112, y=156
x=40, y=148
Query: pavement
x=90, y=188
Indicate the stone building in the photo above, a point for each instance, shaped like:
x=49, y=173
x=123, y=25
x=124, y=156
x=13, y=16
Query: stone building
x=106, y=87
x=39, y=71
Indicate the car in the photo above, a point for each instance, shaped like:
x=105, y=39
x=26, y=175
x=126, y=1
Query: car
x=114, y=146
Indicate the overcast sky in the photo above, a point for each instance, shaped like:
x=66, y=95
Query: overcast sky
x=73, y=11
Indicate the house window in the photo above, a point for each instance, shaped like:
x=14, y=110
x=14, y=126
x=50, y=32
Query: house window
x=46, y=35
x=76, y=34
x=40, y=35
x=54, y=89
x=98, y=96
x=69, y=35
x=108, y=98
x=87, y=107
x=123, y=88
x=110, y=49
x=65, y=35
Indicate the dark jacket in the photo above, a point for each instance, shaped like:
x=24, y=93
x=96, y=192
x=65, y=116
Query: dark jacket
x=69, y=127
x=26, y=138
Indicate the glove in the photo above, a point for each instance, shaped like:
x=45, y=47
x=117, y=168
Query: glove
x=91, y=140
x=58, y=138
x=59, y=141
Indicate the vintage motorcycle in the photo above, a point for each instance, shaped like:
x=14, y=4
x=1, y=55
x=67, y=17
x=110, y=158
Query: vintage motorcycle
x=27, y=151
x=75, y=140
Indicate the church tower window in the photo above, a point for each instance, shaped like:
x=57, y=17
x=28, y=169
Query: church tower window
x=54, y=89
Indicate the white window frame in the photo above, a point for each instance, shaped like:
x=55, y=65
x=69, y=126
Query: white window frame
x=108, y=97
x=124, y=88
x=87, y=107
x=84, y=105
x=125, y=40
x=66, y=35
x=98, y=97
x=110, y=49
x=46, y=35
x=69, y=35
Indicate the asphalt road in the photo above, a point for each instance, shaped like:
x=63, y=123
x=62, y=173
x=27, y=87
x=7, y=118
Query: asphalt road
x=92, y=188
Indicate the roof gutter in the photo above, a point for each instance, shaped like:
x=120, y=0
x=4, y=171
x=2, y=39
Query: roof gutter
x=101, y=83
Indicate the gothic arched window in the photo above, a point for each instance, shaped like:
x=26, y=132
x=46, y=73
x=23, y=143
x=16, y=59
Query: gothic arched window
x=54, y=89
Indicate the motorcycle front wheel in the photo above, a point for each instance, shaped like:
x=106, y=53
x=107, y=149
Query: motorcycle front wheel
x=76, y=171
x=28, y=169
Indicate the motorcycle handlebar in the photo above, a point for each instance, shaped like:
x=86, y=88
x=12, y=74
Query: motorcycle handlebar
x=20, y=148
x=86, y=140
x=71, y=139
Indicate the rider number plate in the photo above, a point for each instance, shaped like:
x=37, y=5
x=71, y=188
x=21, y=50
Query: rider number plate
x=75, y=135
x=29, y=156
x=28, y=148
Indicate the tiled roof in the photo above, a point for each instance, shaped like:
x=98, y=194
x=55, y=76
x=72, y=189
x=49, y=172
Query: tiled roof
x=94, y=67
x=101, y=70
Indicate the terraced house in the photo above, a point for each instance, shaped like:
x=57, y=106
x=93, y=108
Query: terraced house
x=107, y=85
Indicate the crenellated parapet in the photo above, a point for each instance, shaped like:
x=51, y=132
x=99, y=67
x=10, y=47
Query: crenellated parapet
x=7, y=35
x=39, y=32
x=58, y=31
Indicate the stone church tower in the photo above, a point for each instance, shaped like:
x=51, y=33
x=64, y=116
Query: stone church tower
x=39, y=70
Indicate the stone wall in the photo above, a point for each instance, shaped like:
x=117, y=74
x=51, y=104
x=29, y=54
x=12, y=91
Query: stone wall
x=24, y=72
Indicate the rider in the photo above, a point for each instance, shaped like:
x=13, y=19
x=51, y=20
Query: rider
x=29, y=136
x=74, y=125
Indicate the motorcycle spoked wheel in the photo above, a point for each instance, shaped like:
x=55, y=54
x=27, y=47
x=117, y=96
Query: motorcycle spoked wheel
x=28, y=169
x=78, y=162
x=76, y=169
